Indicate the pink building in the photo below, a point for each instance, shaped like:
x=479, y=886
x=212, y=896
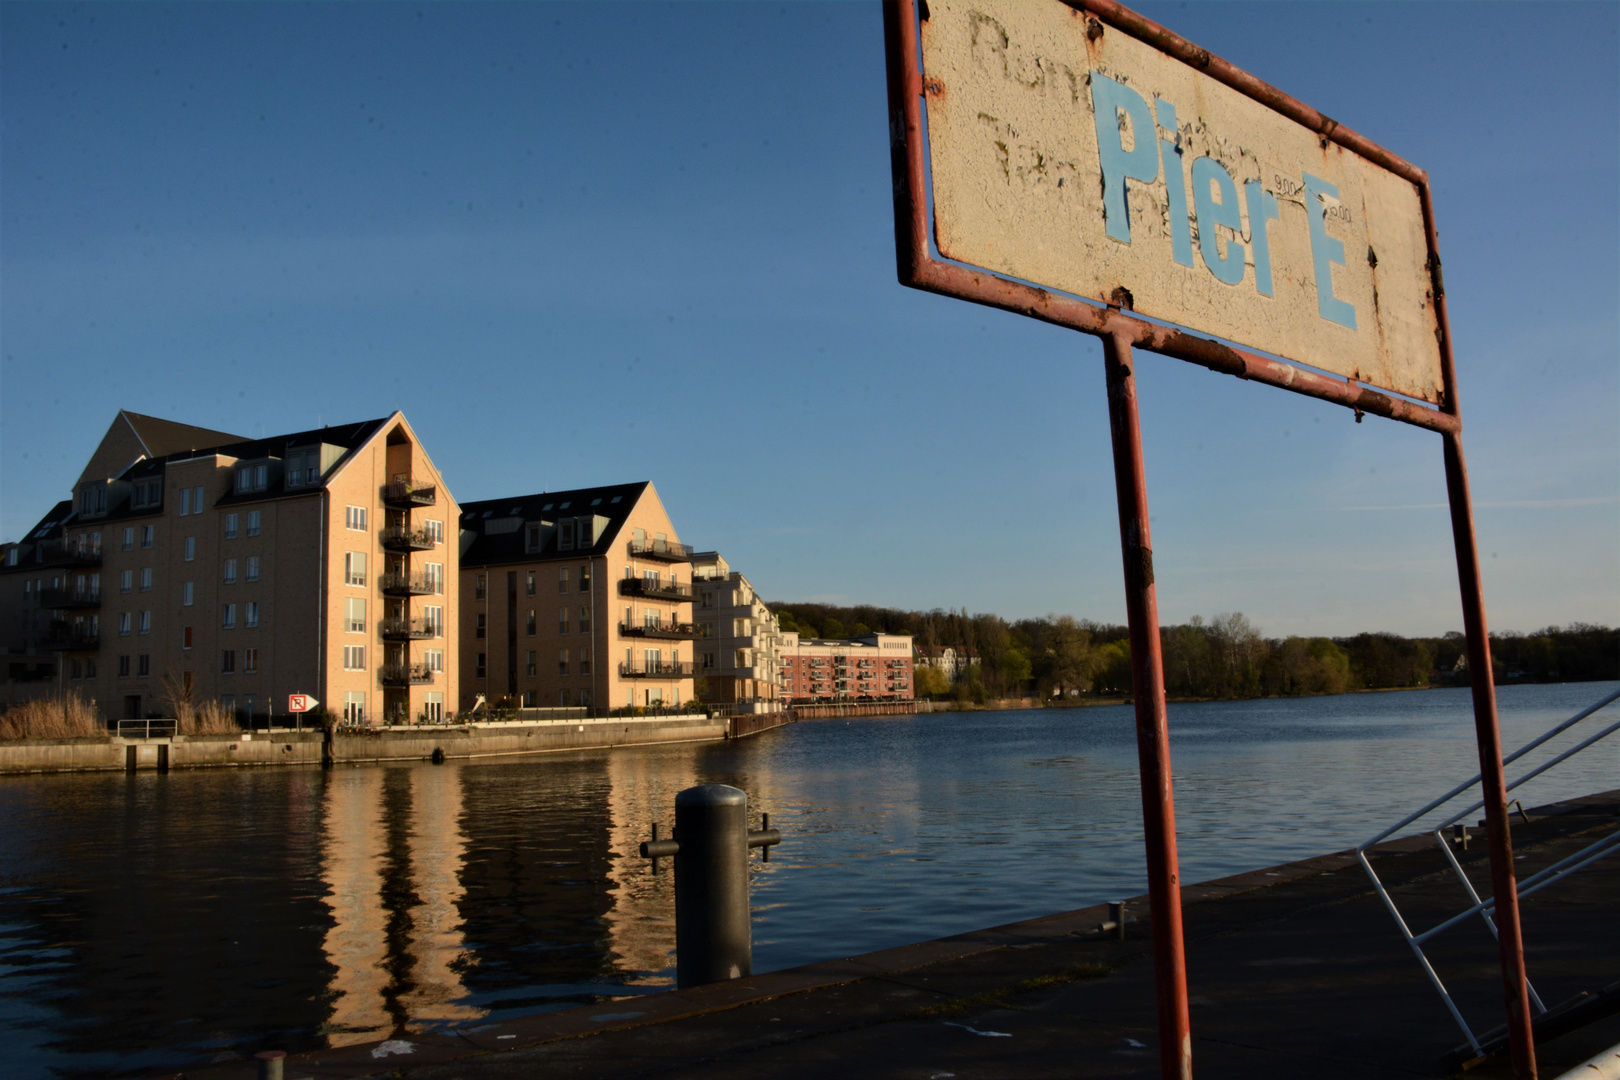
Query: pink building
x=876, y=667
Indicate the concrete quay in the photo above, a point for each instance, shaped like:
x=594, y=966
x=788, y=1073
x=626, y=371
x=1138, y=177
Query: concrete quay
x=1295, y=971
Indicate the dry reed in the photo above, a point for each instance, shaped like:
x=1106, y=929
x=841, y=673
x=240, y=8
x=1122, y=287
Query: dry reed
x=209, y=719
x=66, y=717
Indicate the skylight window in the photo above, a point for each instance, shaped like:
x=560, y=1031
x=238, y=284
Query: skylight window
x=565, y=506
x=546, y=507
x=596, y=502
x=489, y=513
x=616, y=498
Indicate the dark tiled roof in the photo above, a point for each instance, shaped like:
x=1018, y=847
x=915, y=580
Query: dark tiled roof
x=163, y=437
x=348, y=436
x=486, y=548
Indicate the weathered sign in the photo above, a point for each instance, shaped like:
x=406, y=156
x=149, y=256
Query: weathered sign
x=1085, y=160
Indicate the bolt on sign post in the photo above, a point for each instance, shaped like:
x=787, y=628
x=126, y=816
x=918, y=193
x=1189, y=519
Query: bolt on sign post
x=1077, y=163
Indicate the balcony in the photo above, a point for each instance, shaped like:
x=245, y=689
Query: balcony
x=404, y=674
x=404, y=493
x=405, y=538
x=66, y=636
x=407, y=585
x=662, y=550
x=668, y=631
x=63, y=553
x=668, y=669
x=70, y=598
x=655, y=590
x=407, y=629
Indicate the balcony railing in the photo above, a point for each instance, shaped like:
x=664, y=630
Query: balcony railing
x=60, y=635
x=405, y=538
x=662, y=550
x=657, y=590
x=404, y=674
x=404, y=493
x=667, y=631
x=70, y=598
x=407, y=585
x=64, y=553
x=407, y=629
x=668, y=669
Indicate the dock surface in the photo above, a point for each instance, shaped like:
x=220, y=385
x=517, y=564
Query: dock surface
x=1294, y=971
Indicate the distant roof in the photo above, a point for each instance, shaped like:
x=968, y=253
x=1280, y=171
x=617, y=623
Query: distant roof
x=504, y=543
x=164, y=437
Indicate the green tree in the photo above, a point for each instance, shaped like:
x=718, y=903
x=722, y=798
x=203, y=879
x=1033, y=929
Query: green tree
x=931, y=682
x=1015, y=668
x=832, y=628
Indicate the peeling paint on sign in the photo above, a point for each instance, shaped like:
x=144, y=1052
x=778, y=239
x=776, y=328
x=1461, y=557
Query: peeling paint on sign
x=1084, y=160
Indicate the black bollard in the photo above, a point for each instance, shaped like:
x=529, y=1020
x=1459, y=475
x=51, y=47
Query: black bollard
x=713, y=940
x=270, y=1064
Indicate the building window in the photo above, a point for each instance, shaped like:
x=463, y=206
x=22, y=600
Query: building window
x=191, y=548
x=253, y=568
x=146, y=579
x=354, y=658
x=123, y=666
x=251, y=615
x=531, y=664
x=531, y=698
x=146, y=536
x=129, y=538
x=584, y=529
x=585, y=578
x=252, y=478
x=126, y=581
x=354, y=707
x=562, y=661
x=433, y=617
x=229, y=621
x=434, y=659
x=185, y=501
x=584, y=620
x=227, y=705
x=253, y=522
x=354, y=568
x=478, y=671
x=565, y=534
x=148, y=493
x=303, y=467
x=434, y=572
x=531, y=538
x=196, y=500
x=481, y=626
x=354, y=615
x=478, y=587
x=435, y=707
x=187, y=592
x=146, y=622
x=435, y=531
x=562, y=620
x=528, y=585
x=230, y=526
x=585, y=660
x=123, y=624
x=354, y=517
x=230, y=571
x=250, y=660
x=227, y=662
x=528, y=623
x=562, y=579
x=143, y=665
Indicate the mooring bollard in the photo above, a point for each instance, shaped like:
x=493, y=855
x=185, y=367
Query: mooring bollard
x=1116, y=917
x=1459, y=835
x=713, y=941
x=270, y=1064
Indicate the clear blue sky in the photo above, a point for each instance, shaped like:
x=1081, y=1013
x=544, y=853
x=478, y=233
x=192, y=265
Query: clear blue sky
x=585, y=244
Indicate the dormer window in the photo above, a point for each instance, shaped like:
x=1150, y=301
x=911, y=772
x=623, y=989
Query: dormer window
x=93, y=499
x=303, y=467
x=148, y=493
x=250, y=478
x=582, y=532
x=565, y=534
x=531, y=537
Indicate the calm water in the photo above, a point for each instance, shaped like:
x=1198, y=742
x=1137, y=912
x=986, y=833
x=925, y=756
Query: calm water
x=151, y=920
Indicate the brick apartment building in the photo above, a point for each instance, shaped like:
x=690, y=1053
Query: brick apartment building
x=739, y=640
x=240, y=570
x=874, y=667
x=576, y=598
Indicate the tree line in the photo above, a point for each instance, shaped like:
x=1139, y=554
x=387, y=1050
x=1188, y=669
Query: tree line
x=1221, y=657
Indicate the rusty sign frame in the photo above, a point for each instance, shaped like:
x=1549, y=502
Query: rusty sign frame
x=1121, y=332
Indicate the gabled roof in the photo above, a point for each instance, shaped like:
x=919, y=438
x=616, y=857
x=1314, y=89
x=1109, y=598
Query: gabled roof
x=493, y=529
x=164, y=437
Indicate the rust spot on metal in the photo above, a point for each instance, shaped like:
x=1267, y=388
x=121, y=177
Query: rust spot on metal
x=1139, y=566
x=1207, y=353
x=1121, y=298
x=1434, y=272
x=934, y=88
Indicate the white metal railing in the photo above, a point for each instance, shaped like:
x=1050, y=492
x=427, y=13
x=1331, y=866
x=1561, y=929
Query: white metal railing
x=1608, y=845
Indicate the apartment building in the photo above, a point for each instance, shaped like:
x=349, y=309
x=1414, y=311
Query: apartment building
x=241, y=570
x=739, y=640
x=874, y=667
x=576, y=598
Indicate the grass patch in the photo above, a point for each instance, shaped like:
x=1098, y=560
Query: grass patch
x=70, y=716
x=998, y=999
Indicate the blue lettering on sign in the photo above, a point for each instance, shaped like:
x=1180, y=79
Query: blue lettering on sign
x=1109, y=101
x=1211, y=213
x=1175, y=184
x=1325, y=250
x=1262, y=208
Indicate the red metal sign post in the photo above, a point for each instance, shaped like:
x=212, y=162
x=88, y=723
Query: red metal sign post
x=1111, y=317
